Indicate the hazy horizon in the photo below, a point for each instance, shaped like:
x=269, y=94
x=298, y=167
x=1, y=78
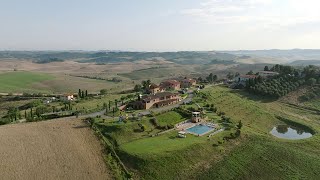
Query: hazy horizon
x=159, y=26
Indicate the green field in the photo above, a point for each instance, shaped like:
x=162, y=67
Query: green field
x=21, y=81
x=255, y=155
x=34, y=82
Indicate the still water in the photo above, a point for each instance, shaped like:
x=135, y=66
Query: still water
x=290, y=132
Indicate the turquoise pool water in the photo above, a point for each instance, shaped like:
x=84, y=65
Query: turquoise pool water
x=199, y=129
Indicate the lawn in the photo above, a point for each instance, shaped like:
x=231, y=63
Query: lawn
x=158, y=145
x=121, y=133
x=171, y=117
x=21, y=81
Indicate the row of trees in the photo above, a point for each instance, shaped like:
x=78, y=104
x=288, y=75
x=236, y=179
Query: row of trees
x=289, y=79
x=276, y=87
x=314, y=92
x=82, y=94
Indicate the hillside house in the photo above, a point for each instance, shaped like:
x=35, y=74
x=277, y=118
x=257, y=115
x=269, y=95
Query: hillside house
x=187, y=83
x=170, y=85
x=156, y=100
x=67, y=97
x=154, y=89
x=242, y=79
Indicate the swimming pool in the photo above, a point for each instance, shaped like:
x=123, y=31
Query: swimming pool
x=200, y=129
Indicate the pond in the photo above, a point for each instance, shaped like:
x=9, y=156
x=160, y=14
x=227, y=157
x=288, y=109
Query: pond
x=290, y=132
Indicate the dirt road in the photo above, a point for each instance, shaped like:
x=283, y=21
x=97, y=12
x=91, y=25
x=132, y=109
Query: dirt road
x=55, y=149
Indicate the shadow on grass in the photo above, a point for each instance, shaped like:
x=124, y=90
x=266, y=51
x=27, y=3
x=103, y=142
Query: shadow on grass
x=138, y=130
x=253, y=97
x=173, y=137
x=108, y=129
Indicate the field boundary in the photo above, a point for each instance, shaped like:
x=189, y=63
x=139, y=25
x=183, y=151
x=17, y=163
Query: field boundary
x=108, y=145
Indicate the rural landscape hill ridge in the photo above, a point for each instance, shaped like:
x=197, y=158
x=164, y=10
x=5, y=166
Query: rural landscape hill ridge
x=160, y=115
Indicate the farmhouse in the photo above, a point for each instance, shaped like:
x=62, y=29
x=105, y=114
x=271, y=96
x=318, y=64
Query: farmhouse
x=187, y=82
x=241, y=80
x=267, y=73
x=67, y=97
x=154, y=89
x=156, y=100
x=170, y=85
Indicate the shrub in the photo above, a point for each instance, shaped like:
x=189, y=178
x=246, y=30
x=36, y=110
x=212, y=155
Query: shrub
x=3, y=121
x=170, y=126
x=154, y=122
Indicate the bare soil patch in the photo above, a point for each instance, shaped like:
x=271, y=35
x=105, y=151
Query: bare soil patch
x=56, y=149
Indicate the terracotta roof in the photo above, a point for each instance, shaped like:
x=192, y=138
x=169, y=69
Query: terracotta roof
x=166, y=102
x=189, y=80
x=174, y=82
x=158, y=95
x=153, y=86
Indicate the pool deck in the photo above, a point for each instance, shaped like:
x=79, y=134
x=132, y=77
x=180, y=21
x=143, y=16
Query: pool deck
x=188, y=124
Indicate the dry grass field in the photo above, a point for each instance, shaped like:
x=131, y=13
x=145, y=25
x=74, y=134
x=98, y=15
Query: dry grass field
x=57, y=149
x=63, y=74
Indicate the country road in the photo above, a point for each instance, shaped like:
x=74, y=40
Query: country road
x=144, y=113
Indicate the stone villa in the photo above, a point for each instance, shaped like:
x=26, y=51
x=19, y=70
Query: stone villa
x=155, y=100
x=170, y=85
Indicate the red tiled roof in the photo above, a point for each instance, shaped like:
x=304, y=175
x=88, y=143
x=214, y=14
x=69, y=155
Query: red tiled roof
x=166, y=102
x=158, y=95
x=189, y=80
x=153, y=86
x=174, y=82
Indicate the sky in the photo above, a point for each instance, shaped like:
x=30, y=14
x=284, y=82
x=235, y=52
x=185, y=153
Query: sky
x=159, y=25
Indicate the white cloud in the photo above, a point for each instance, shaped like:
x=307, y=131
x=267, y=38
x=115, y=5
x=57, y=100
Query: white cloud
x=265, y=14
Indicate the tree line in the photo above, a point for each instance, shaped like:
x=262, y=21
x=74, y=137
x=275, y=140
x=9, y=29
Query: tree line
x=288, y=80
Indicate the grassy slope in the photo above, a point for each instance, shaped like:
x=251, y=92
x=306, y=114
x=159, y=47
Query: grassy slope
x=34, y=82
x=169, y=118
x=20, y=81
x=313, y=103
x=169, y=143
x=258, y=156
